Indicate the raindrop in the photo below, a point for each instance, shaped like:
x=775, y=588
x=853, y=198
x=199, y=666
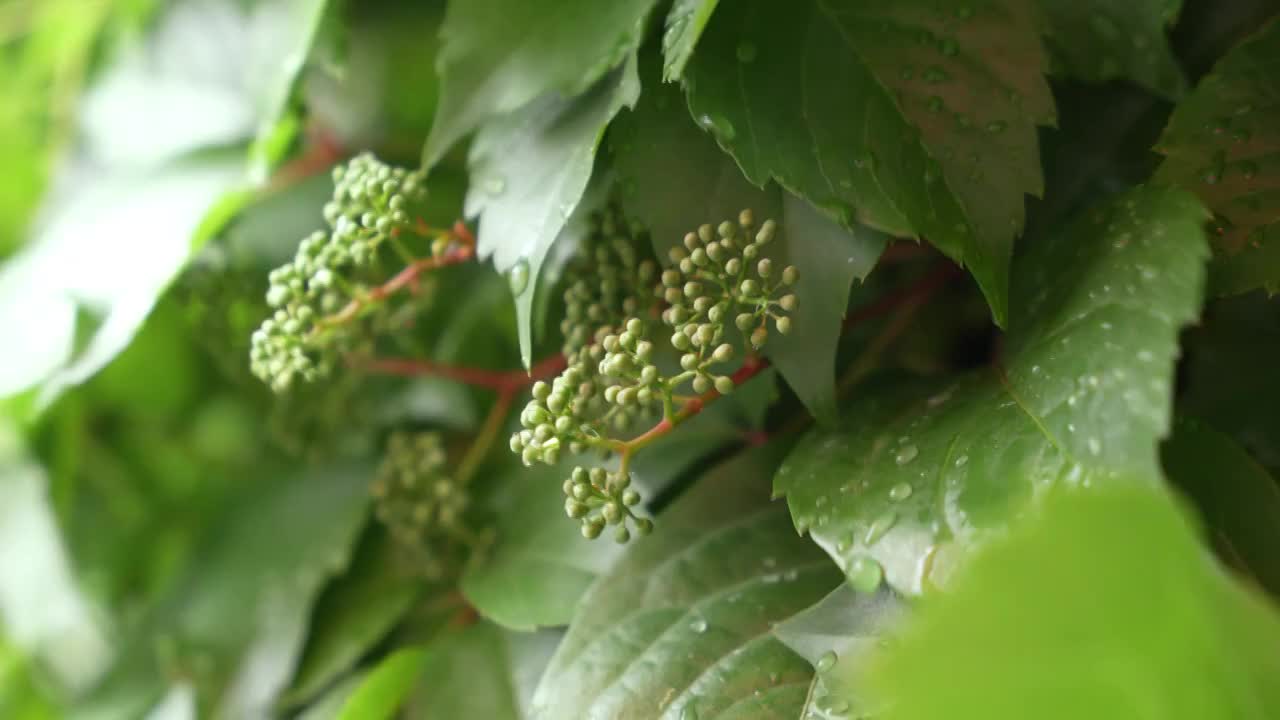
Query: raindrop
x=865, y=574
x=747, y=52
x=879, y=527
x=900, y=492
x=719, y=125
x=518, y=277
x=844, y=544
x=698, y=625
x=906, y=454
x=826, y=661
x=962, y=461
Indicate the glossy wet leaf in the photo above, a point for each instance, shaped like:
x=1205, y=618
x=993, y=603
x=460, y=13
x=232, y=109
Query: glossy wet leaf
x=500, y=55
x=1221, y=143
x=684, y=25
x=482, y=671
x=681, y=626
x=384, y=688
x=540, y=564
x=660, y=153
x=915, y=118
x=837, y=636
x=1097, y=41
x=1133, y=622
x=920, y=471
x=1238, y=499
x=529, y=171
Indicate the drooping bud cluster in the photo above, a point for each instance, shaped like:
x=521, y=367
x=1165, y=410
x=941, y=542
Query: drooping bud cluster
x=372, y=203
x=613, y=377
x=599, y=498
x=420, y=504
x=613, y=280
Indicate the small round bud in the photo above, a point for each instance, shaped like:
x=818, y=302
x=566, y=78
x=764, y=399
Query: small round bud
x=680, y=341
x=764, y=268
x=724, y=385
x=706, y=234
x=758, y=337
x=701, y=384
x=574, y=509
x=691, y=241
x=644, y=349
x=592, y=528
x=630, y=497
x=790, y=275
x=581, y=491
x=733, y=266
x=783, y=324
x=749, y=287
x=723, y=353
x=788, y=302
x=644, y=526
x=767, y=231
x=744, y=321
x=541, y=390
x=622, y=535
x=579, y=476
x=612, y=513
x=689, y=361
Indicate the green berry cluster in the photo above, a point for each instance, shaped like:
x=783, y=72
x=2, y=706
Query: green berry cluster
x=371, y=205
x=599, y=498
x=614, y=375
x=418, y=502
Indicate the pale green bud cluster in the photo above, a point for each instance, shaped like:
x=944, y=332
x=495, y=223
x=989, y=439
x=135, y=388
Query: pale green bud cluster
x=371, y=203
x=600, y=498
x=613, y=376
x=614, y=279
x=419, y=503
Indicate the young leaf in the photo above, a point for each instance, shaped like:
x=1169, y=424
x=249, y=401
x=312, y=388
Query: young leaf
x=684, y=25
x=914, y=119
x=836, y=636
x=680, y=626
x=1097, y=41
x=921, y=471
x=1221, y=143
x=540, y=566
x=499, y=55
x=482, y=672
x=529, y=172
x=660, y=153
x=1239, y=500
x=1131, y=622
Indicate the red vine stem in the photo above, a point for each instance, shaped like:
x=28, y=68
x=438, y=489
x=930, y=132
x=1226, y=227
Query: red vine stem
x=406, y=277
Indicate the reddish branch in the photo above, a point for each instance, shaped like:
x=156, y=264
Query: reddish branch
x=405, y=278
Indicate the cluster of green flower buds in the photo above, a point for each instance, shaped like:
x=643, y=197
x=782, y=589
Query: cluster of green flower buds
x=614, y=376
x=613, y=280
x=371, y=204
x=419, y=503
x=599, y=498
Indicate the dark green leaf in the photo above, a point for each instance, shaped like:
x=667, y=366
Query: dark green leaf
x=1131, y=622
x=913, y=119
x=921, y=471
x=684, y=25
x=541, y=565
x=836, y=636
x=681, y=624
x=1239, y=500
x=529, y=172
x=482, y=672
x=352, y=614
x=1097, y=41
x=661, y=153
x=1221, y=143
x=385, y=687
x=499, y=55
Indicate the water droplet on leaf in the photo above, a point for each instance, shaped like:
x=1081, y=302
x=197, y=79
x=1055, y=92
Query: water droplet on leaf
x=901, y=491
x=906, y=454
x=826, y=661
x=518, y=277
x=865, y=574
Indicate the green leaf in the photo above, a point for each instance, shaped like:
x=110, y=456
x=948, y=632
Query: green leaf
x=915, y=119
x=836, y=636
x=356, y=611
x=684, y=25
x=1239, y=500
x=383, y=690
x=1132, y=622
x=1221, y=143
x=1097, y=41
x=530, y=170
x=540, y=566
x=681, y=624
x=499, y=55
x=921, y=471
x=482, y=672
x=660, y=153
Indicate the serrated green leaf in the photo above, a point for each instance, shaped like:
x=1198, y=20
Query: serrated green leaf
x=482, y=672
x=541, y=565
x=351, y=615
x=681, y=624
x=500, y=55
x=684, y=25
x=922, y=471
x=1239, y=500
x=1221, y=143
x=660, y=154
x=1132, y=622
x=1097, y=41
x=529, y=172
x=915, y=119
x=381, y=692
x=836, y=636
